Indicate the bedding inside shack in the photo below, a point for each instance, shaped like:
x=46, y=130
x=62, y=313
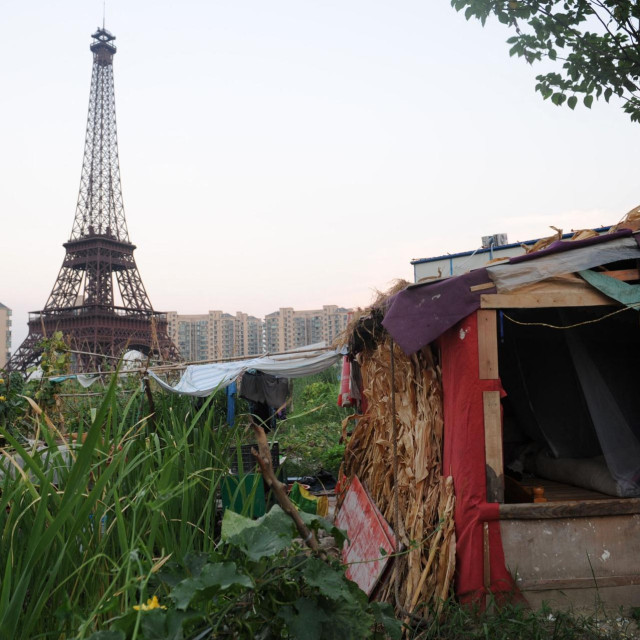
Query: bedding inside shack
x=571, y=414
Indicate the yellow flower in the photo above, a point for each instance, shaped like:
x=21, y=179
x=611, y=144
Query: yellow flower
x=152, y=603
x=3, y=399
x=1, y=380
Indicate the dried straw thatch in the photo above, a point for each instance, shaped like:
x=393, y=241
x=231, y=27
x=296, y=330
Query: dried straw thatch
x=426, y=501
x=630, y=221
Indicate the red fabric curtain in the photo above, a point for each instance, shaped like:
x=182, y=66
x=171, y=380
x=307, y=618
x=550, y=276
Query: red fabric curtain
x=464, y=459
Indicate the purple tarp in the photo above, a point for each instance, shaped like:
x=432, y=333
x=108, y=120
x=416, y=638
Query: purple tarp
x=418, y=315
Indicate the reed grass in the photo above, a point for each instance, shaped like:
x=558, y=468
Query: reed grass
x=82, y=538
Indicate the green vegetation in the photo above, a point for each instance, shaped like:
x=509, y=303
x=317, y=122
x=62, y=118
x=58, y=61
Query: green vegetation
x=96, y=542
x=311, y=434
x=513, y=621
x=82, y=537
x=259, y=583
x=593, y=45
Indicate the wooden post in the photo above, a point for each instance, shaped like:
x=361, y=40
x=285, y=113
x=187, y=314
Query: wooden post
x=488, y=370
x=493, y=446
x=486, y=558
x=487, y=344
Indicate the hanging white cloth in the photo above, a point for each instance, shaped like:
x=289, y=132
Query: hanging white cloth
x=203, y=379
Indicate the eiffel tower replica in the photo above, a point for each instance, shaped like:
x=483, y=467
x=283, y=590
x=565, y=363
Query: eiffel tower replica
x=96, y=319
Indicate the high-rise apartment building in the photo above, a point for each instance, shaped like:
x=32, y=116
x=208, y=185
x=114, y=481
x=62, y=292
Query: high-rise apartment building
x=288, y=329
x=222, y=333
x=249, y=337
x=190, y=333
x=216, y=335
x=5, y=335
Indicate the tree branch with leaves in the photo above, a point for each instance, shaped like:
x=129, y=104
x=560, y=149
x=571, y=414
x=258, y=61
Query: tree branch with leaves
x=595, y=45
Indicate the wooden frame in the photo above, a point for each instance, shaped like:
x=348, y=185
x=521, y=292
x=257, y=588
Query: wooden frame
x=545, y=299
x=600, y=582
x=568, y=290
x=578, y=509
x=488, y=370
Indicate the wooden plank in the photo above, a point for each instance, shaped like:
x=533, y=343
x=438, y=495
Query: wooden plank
x=542, y=554
x=560, y=492
x=487, y=345
x=590, y=508
x=493, y=446
x=545, y=299
x=482, y=287
x=579, y=583
x=623, y=274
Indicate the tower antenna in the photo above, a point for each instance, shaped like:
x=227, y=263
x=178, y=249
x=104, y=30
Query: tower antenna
x=104, y=11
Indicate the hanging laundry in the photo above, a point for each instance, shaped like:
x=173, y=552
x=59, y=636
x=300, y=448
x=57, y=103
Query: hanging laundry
x=264, y=388
x=231, y=391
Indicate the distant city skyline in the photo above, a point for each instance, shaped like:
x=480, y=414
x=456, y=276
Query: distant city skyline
x=292, y=153
x=217, y=335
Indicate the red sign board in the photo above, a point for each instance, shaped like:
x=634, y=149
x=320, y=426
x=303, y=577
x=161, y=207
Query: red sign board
x=371, y=538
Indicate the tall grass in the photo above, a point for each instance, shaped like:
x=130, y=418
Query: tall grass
x=311, y=434
x=137, y=492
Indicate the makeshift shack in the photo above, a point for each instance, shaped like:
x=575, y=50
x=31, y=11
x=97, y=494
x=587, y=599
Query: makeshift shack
x=511, y=383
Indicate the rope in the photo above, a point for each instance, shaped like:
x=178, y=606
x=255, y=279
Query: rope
x=90, y=353
x=570, y=326
x=86, y=395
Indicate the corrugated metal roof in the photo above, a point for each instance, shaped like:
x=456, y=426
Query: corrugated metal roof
x=512, y=245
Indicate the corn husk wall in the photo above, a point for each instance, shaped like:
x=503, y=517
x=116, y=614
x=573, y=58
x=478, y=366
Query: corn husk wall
x=426, y=499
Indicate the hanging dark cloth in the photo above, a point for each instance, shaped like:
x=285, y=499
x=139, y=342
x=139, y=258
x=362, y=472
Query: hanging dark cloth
x=264, y=388
x=267, y=395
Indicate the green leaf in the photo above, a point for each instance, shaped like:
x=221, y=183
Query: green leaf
x=384, y=614
x=305, y=620
x=212, y=578
x=330, y=581
x=279, y=522
x=257, y=543
x=265, y=536
x=153, y=625
x=194, y=563
x=107, y=635
x=316, y=522
x=349, y=618
x=588, y=101
x=233, y=524
x=224, y=575
x=571, y=102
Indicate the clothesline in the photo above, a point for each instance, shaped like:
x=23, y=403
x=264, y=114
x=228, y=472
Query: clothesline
x=282, y=356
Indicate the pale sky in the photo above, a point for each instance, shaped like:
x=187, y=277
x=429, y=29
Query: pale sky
x=289, y=152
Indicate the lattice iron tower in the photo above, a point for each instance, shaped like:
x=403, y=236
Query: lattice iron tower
x=84, y=302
